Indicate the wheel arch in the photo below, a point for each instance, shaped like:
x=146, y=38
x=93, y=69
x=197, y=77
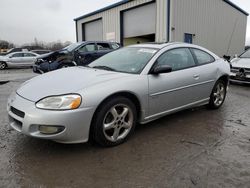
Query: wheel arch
x=129, y=95
x=6, y=64
x=224, y=78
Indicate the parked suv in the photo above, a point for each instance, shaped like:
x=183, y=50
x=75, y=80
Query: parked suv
x=77, y=54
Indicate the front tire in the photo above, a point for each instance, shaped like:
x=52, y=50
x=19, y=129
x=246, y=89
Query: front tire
x=114, y=122
x=3, y=65
x=218, y=95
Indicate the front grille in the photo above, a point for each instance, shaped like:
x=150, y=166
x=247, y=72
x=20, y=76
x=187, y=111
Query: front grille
x=17, y=112
x=237, y=69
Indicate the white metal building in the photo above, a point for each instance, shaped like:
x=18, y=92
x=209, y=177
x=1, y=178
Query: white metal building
x=218, y=25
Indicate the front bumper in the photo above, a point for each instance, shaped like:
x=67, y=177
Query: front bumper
x=36, y=69
x=25, y=118
x=234, y=77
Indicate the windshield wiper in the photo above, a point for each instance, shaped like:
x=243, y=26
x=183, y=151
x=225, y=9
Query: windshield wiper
x=104, y=68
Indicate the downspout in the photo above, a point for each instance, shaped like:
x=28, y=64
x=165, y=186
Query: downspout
x=168, y=20
x=76, y=31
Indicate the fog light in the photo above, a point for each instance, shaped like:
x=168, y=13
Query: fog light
x=50, y=129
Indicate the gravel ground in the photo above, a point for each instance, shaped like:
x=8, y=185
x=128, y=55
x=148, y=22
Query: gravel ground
x=193, y=148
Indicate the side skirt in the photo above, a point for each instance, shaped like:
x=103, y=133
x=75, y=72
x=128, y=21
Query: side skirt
x=161, y=114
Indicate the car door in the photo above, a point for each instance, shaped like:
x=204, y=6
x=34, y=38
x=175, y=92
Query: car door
x=28, y=59
x=16, y=59
x=177, y=89
x=86, y=54
x=207, y=72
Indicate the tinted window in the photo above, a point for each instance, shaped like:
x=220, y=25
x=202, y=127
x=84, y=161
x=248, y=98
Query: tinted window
x=87, y=48
x=17, y=55
x=103, y=46
x=179, y=58
x=202, y=57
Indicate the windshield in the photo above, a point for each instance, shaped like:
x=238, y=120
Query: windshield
x=9, y=50
x=128, y=60
x=72, y=46
x=246, y=54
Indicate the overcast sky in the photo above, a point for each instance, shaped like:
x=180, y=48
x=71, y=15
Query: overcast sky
x=50, y=20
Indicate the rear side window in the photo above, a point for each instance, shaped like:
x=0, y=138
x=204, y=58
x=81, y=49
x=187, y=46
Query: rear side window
x=115, y=46
x=203, y=57
x=178, y=59
x=103, y=46
x=29, y=55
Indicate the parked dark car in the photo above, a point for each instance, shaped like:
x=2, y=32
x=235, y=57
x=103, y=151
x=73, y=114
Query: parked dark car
x=13, y=50
x=41, y=51
x=77, y=54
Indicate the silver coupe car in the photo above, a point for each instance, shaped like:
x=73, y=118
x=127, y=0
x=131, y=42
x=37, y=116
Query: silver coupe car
x=104, y=101
x=17, y=60
x=240, y=68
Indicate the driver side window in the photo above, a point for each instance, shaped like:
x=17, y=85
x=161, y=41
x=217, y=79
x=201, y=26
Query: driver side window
x=17, y=55
x=87, y=48
x=177, y=59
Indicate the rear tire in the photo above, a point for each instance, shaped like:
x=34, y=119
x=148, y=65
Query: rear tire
x=114, y=122
x=3, y=65
x=218, y=95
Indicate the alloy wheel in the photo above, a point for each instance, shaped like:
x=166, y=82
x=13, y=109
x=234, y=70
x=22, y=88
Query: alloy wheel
x=118, y=122
x=2, y=65
x=219, y=94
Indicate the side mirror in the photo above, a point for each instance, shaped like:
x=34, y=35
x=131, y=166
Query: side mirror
x=227, y=58
x=159, y=69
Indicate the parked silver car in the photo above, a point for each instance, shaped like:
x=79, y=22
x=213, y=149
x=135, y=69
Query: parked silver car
x=240, y=68
x=18, y=59
x=104, y=101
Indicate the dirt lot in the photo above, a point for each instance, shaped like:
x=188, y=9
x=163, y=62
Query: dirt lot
x=193, y=148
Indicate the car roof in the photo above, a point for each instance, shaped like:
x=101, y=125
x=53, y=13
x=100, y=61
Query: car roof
x=86, y=42
x=163, y=45
x=160, y=46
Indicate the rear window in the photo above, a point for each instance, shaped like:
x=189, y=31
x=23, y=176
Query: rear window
x=203, y=57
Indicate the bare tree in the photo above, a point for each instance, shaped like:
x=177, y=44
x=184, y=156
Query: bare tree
x=6, y=45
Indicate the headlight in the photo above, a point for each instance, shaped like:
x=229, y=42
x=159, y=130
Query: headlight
x=65, y=102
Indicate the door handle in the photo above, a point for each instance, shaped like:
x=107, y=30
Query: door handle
x=196, y=77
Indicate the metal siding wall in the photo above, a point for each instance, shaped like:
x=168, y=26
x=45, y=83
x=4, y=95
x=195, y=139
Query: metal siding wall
x=161, y=20
x=111, y=19
x=212, y=22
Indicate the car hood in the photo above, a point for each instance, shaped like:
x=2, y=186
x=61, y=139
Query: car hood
x=241, y=62
x=45, y=55
x=65, y=81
